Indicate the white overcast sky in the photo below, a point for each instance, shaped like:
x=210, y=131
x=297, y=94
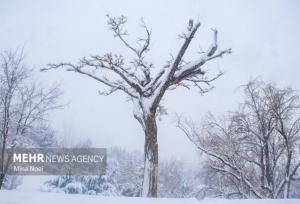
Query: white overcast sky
x=264, y=36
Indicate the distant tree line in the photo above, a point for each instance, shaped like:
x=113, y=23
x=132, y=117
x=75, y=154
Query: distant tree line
x=124, y=177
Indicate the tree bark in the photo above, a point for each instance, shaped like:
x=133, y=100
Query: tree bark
x=2, y=176
x=151, y=157
x=287, y=174
x=2, y=169
x=267, y=164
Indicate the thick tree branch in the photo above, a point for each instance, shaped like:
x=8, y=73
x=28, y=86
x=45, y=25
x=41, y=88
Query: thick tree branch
x=114, y=85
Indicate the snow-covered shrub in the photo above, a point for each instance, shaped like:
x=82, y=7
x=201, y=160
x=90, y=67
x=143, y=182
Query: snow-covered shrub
x=75, y=188
x=92, y=185
x=12, y=182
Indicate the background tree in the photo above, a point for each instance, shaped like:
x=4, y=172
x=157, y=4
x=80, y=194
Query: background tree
x=145, y=85
x=23, y=108
x=253, y=152
x=178, y=180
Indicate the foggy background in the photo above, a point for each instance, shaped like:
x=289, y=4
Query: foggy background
x=264, y=36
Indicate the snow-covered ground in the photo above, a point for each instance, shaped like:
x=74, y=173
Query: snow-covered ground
x=23, y=197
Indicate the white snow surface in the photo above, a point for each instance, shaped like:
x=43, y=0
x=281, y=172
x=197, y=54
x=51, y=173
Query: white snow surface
x=23, y=197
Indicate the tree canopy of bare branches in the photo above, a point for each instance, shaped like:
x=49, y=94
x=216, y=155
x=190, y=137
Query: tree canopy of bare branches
x=253, y=152
x=145, y=83
x=23, y=105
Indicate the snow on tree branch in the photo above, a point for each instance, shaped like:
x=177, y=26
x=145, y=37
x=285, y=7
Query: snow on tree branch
x=126, y=84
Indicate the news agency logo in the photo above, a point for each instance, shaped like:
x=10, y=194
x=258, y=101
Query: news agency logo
x=56, y=161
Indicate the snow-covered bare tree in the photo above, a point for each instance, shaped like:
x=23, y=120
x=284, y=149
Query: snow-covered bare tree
x=23, y=108
x=146, y=84
x=253, y=151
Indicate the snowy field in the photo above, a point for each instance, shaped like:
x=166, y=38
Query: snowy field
x=20, y=197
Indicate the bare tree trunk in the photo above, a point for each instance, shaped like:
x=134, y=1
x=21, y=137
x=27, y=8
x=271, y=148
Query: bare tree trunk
x=262, y=167
x=1, y=180
x=2, y=169
x=267, y=164
x=287, y=174
x=151, y=158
